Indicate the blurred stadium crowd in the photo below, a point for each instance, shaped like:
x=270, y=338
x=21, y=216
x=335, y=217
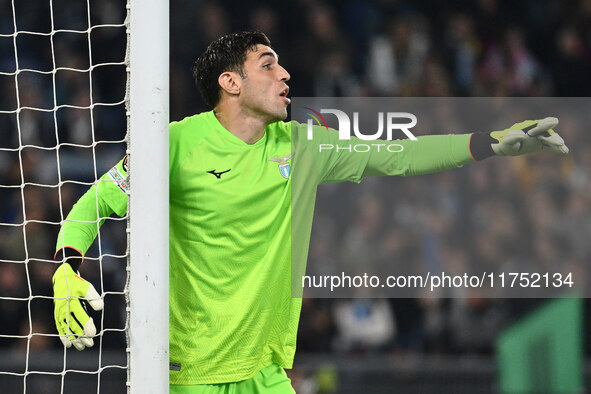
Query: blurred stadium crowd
x=536, y=209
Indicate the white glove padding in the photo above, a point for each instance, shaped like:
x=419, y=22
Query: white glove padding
x=527, y=137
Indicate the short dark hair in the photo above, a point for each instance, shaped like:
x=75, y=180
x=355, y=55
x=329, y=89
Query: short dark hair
x=227, y=53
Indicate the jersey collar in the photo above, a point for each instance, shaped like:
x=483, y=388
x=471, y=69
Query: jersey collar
x=231, y=137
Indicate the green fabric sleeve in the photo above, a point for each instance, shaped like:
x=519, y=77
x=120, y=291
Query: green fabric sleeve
x=108, y=196
x=337, y=160
x=426, y=155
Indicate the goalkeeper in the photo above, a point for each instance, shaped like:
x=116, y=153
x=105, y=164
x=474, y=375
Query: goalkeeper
x=233, y=321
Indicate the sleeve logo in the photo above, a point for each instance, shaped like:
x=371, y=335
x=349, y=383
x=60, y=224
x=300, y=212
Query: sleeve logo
x=119, y=179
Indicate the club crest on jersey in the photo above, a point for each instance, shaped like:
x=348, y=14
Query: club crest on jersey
x=284, y=166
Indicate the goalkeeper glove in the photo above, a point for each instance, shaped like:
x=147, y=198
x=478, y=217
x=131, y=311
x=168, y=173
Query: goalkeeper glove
x=521, y=138
x=73, y=324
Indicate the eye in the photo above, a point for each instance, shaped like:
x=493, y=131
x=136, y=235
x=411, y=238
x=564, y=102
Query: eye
x=267, y=66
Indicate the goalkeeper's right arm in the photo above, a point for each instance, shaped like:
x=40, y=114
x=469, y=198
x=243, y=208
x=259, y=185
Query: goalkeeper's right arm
x=76, y=235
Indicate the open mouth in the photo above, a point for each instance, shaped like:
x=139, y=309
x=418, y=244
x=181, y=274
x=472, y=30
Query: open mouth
x=284, y=93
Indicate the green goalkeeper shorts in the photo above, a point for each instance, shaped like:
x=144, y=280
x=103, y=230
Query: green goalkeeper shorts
x=269, y=380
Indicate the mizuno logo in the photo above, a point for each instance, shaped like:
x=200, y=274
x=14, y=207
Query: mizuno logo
x=218, y=175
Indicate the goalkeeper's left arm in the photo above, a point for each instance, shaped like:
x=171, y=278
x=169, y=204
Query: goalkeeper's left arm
x=430, y=153
x=76, y=235
x=441, y=152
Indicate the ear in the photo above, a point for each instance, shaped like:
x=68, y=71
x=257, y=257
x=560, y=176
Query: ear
x=230, y=82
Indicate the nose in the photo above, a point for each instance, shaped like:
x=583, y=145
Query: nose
x=284, y=74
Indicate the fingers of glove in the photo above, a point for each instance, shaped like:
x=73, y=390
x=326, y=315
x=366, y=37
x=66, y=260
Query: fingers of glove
x=89, y=333
x=67, y=342
x=542, y=126
x=89, y=329
x=94, y=298
x=75, y=335
x=82, y=343
x=86, y=340
x=66, y=335
x=78, y=345
x=554, y=143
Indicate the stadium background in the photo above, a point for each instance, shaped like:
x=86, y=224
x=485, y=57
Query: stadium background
x=337, y=48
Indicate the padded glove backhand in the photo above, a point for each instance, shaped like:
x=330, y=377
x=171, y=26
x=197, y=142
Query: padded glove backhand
x=527, y=137
x=73, y=323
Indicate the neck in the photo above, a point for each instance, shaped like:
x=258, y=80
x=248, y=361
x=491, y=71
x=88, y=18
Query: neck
x=248, y=128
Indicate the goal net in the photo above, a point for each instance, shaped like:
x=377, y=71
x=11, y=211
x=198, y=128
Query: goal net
x=72, y=98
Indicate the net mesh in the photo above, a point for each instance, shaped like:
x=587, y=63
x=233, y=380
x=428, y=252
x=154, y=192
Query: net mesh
x=63, y=76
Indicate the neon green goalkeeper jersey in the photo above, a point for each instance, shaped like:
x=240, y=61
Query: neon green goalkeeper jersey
x=231, y=306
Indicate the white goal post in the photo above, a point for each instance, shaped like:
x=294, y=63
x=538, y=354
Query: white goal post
x=148, y=208
x=73, y=75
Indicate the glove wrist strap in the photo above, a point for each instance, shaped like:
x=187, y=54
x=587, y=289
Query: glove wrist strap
x=480, y=145
x=72, y=257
